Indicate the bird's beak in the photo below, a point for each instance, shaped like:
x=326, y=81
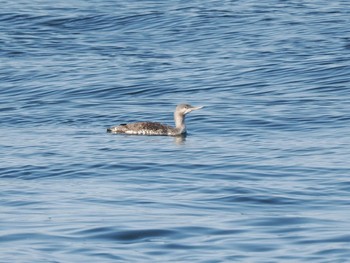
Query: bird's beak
x=197, y=108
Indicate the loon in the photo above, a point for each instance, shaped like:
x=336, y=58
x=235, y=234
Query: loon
x=156, y=128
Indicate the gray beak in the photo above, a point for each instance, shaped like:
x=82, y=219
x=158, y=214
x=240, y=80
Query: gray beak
x=196, y=108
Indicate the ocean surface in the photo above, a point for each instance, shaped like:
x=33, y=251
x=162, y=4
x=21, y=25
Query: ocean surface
x=263, y=174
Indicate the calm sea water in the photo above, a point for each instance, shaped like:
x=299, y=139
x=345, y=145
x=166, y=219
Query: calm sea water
x=263, y=175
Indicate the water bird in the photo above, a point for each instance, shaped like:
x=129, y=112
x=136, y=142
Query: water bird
x=156, y=128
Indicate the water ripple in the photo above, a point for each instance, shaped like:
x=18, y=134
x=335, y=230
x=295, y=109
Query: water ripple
x=262, y=173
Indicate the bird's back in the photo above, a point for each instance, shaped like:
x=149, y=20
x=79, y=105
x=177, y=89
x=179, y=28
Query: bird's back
x=144, y=128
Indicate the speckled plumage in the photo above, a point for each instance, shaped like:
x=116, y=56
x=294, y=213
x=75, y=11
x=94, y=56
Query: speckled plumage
x=144, y=128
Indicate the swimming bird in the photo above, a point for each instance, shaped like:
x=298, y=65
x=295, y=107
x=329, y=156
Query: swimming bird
x=156, y=128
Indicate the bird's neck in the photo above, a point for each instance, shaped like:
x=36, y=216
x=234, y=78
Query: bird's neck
x=180, y=122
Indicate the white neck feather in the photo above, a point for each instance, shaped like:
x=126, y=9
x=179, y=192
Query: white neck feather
x=180, y=122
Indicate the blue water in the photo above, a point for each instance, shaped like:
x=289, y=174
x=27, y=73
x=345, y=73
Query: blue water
x=263, y=175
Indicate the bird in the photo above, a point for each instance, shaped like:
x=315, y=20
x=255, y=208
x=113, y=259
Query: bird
x=157, y=128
